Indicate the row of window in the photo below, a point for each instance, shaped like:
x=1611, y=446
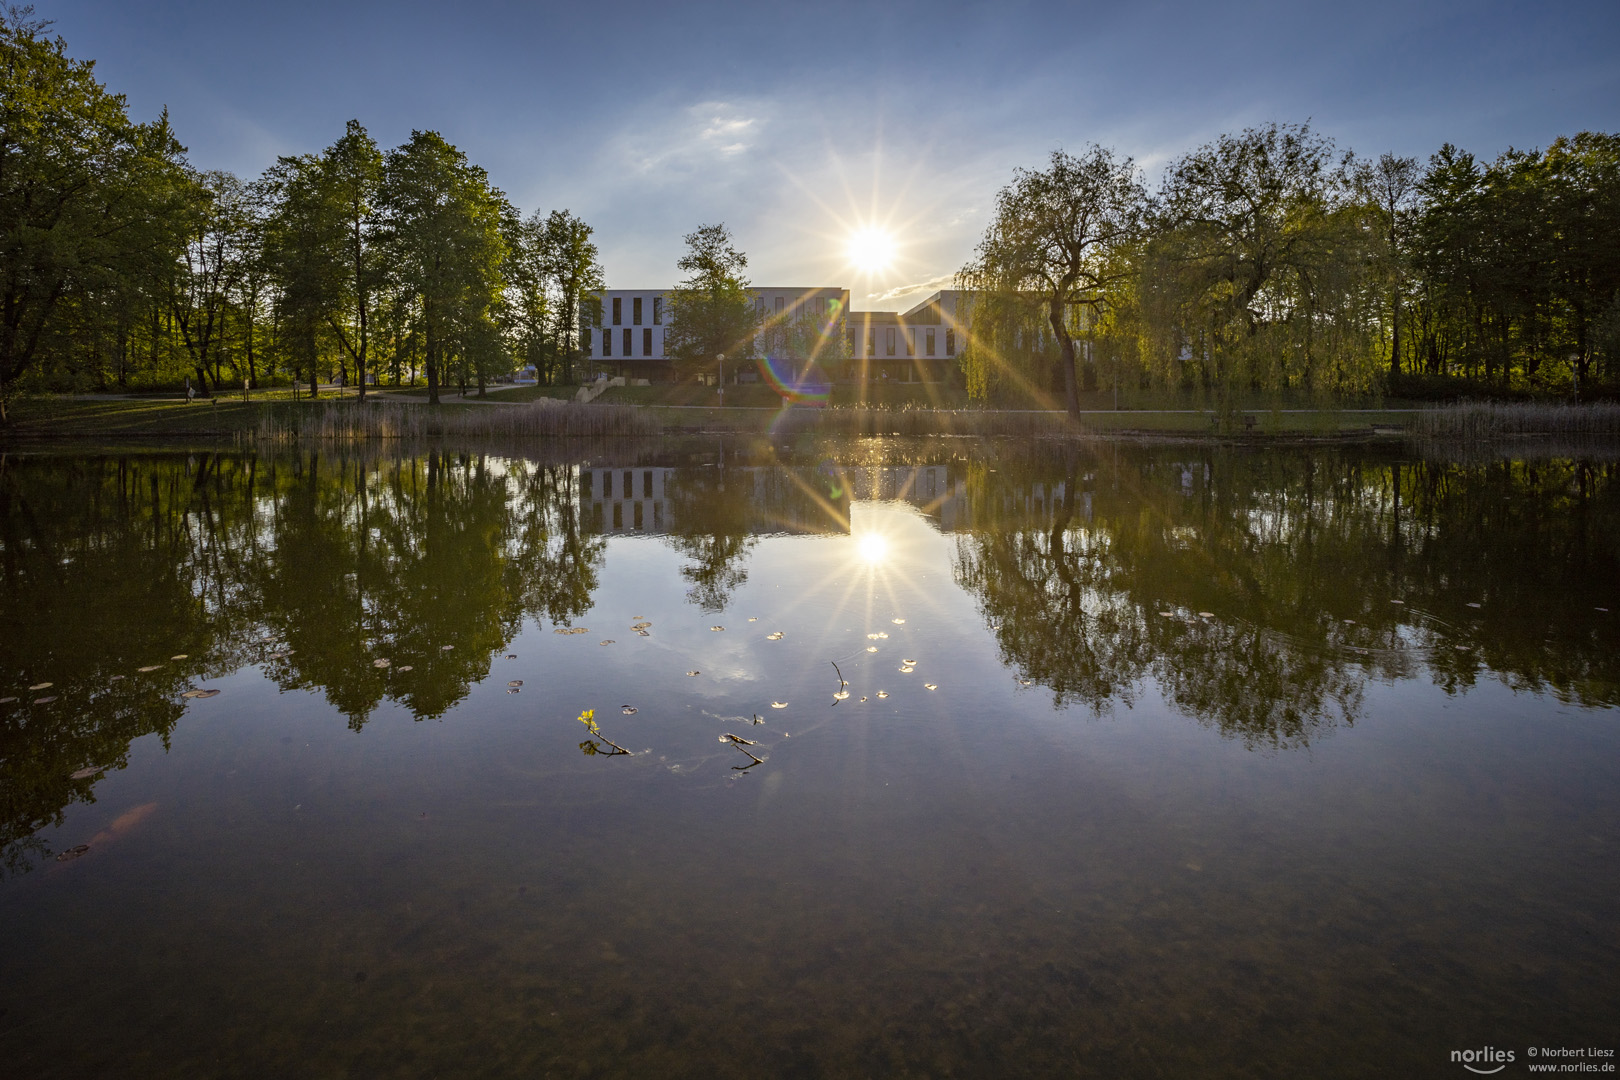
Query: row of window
x=636, y=309
x=890, y=335
x=628, y=342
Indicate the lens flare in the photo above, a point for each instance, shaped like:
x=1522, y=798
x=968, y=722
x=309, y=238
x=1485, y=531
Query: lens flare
x=874, y=547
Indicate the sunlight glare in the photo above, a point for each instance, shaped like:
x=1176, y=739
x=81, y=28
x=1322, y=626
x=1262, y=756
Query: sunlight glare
x=871, y=250
x=874, y=547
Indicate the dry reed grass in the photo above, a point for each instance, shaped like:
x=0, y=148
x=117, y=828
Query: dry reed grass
x=1483, y=421
x=866, y=420
x=544, y=418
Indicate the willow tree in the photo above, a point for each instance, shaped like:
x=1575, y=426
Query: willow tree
x=1049, y=252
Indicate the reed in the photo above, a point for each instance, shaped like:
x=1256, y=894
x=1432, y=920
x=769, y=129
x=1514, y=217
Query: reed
x=1484, y=421
x=866, y=420
x=544, y=418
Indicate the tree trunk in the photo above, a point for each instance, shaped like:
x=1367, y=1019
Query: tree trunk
x=1071, y=388
x=430, y=345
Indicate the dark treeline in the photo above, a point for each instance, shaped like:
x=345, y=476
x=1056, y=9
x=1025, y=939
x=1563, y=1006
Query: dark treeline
x=123, y=267
x=1270, y=261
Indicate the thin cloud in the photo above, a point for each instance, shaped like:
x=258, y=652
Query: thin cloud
x=922, y=286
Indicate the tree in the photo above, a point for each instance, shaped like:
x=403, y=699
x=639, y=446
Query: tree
x=352, y=172
x=302, y=250
x=88, y=199
x=569, y=259
x=1391, y=185
x=713, y=311
x=442, y=233
x=1048, y=248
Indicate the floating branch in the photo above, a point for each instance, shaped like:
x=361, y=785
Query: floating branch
x=741, y=744
x=588, y=718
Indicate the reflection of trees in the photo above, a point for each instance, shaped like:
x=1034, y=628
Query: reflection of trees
x=110, y=564
x=709, y=524
x=1300, y=557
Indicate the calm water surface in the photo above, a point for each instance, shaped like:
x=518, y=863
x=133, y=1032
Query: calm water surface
x=1154, y=762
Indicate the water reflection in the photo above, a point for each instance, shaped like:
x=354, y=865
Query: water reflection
x=1257, y=593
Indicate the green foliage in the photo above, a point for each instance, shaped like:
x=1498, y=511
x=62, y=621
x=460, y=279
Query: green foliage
x=712, y=312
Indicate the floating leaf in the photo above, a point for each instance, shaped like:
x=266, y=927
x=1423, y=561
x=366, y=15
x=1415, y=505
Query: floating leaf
x=178, y=656
x=1168, y=614
x=871, y=648
x=608, y=641
x=446, y=648
x=1026, y=682
x=717, y=629
x=753, y=620
x=1602, y=609
x=114, y=678
x=898, y=622
x=628, y=710
x=1461, y=648
x=640, y=625
x=1397, y=601
x=879, y=636
x=44, y=700
x=511, y=656
x=907, y=669
x=42, y=686
x=379, y=663
x=7, y=700
x=643, y=633
x=930, y=686
x=513, y=690
x=200, y=694
x=149, y=667
x=863, y=697
x=515, y=682
x=404, y=668
x=87, y=771
x=841, y=695
x=73, y=852
x=1474, y=605
x=1206, y=614
x=912, y=663
x=690, y=674
x=774, y=637
x=779, y=704
x=883, y=693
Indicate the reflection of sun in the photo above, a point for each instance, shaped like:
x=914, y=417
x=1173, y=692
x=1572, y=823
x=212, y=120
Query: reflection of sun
x=874, y=547
x=871, y=250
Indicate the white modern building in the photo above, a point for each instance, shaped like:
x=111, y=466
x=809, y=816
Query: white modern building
x=917, y=345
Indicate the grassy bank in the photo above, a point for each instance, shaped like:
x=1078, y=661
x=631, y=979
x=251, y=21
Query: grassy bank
x=390, y=420
x=1482, y=421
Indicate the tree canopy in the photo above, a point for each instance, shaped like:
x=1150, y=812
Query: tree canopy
x=712, y=312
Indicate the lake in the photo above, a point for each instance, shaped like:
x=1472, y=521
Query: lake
x=942, y=759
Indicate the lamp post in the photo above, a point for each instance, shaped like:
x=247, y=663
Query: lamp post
x=720, y=358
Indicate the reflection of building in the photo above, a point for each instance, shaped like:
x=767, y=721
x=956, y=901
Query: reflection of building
x=776, y=500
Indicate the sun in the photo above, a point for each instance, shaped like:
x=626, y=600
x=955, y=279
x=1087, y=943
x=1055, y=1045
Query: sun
x=871, y=250
x=874, y=547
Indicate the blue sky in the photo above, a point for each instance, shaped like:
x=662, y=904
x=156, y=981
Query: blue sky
x=798, y=123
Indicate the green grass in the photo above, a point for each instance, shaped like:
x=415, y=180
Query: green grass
x=513, y=395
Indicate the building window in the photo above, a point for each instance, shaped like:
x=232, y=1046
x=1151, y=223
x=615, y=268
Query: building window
x=871, y=342
x=781, y=304
x=618, y=310
x=911, y=341
x=607, y=343
x=646, y=484
x=607, y=485
x=930, y=341
x=658, y=311
x=635, y=311
x=950, y=343
x=629, y=345
x=889, y=340
x=646, y=342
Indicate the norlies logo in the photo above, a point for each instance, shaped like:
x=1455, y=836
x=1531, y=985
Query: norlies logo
x=1481, y=1061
